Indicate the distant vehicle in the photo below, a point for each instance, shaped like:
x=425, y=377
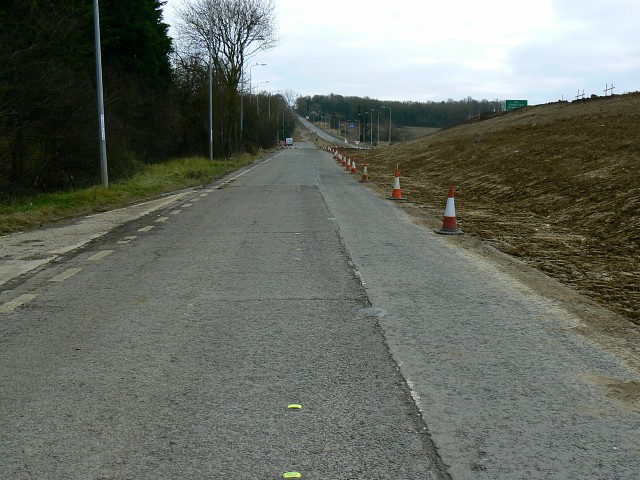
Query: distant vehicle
x=289, y=142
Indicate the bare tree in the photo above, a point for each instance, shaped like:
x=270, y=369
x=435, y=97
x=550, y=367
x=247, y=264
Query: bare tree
x=233, y=31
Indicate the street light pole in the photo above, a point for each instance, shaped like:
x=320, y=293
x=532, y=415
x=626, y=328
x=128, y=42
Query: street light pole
x=365, y=131
x=102, y=133
x=389, y=123
x=378, y=134
x=210, y=93
x=258, y=95
x=250, y=89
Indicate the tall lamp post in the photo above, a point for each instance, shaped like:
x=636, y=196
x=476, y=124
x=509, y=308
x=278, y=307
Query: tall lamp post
x=250, y=89
x=389, y=123
x=242, y=96
x=378, y=134
x=102, y=133
x=364, y=127
x=365, y=132
x=258, y=95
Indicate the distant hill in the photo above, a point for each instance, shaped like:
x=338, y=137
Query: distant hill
x=557, y=185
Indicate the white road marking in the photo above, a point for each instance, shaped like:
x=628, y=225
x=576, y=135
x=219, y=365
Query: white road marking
x=204, y=195
x=128, y=239
x=100, y=255
x=174, y=212
x=195, y=200
x=13, y=304
x=146, y=229
x=186, y=205
x=162, y=219
x=65, y=275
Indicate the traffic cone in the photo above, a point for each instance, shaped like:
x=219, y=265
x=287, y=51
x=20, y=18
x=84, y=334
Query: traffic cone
x=348, y=165
x=365, y=175
x=396, y=194
x=353, y=167
x=449, y=224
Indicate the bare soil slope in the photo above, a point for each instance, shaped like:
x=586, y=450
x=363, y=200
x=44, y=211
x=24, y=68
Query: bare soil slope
x=557, y=185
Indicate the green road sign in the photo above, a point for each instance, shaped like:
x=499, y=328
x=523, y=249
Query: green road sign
x=513, y=104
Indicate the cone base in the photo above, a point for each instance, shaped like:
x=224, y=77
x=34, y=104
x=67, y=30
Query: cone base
x=397, y=199
x=449, y=232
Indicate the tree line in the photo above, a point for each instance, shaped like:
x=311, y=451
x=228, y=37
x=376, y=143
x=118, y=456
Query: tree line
x=156, y=89
x=333, y=108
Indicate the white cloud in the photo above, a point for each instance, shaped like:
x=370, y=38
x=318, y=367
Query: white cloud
x=433, y=50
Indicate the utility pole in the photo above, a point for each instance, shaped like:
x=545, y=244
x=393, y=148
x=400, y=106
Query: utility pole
x=102, y=133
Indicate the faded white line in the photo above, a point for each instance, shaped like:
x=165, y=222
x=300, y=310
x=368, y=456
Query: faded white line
x=174, y=212
x=162, y=219
x=248, y=170
x=186, y=205
x=128, y=239
x=148, y=228
x=100, y=255
x=17, y=302
x=65, y=275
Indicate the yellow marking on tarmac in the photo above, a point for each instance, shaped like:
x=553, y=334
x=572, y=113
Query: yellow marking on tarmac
x=186, y=205
x=174, y=212
x=65, y=275
x=147, y=228
x=17, y=302
x=100, y=255
x=162, y=219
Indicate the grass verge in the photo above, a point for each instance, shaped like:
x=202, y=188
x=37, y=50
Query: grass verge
x=17, y=214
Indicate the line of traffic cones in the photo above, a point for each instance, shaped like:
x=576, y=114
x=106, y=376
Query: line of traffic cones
x=449, y=222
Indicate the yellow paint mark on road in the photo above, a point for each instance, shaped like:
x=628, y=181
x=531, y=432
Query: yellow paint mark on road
x=17, y=302
x=292, y=475
x=100, y=255
x=148, y=228
x=65, y=275
x=162, y=219
x=294, y=406
x=186, y=205
x=175, y=212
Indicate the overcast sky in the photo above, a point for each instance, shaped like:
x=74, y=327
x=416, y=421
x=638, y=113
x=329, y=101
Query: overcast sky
x=427, y=50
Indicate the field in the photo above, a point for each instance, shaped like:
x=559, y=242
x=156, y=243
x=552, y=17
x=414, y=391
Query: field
x=555, y=185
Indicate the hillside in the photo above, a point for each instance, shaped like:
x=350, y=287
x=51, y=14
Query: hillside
x=556, y=185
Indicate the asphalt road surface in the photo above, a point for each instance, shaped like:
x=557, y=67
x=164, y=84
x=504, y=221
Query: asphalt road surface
x=174, y=345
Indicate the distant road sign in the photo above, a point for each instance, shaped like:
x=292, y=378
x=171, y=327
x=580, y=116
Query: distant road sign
x=513, y=104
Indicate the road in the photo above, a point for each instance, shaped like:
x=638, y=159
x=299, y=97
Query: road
x=173, y=345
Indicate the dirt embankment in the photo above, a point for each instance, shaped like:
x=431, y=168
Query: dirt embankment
x=557, y=185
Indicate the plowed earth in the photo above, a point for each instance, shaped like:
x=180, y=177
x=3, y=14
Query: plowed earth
x=556, y=185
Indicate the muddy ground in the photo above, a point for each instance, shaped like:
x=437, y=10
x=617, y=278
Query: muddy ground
x=556, y=185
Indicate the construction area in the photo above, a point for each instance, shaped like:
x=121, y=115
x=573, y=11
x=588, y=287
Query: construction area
x=554, y=185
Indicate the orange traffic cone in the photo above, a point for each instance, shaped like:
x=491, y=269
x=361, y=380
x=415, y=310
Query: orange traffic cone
x=396, y=194
x=348, y=165
x=365, y=175
x=353, y=167
x=449, y=224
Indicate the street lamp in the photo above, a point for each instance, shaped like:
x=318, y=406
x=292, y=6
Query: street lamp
x=255, y=65
x=389, y=123
x=371, y=115
x=364, y=127
x=102, y=135
x=378, y=135
x=258, y=95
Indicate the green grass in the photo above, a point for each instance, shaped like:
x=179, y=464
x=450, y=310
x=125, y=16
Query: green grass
x=23, y=213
